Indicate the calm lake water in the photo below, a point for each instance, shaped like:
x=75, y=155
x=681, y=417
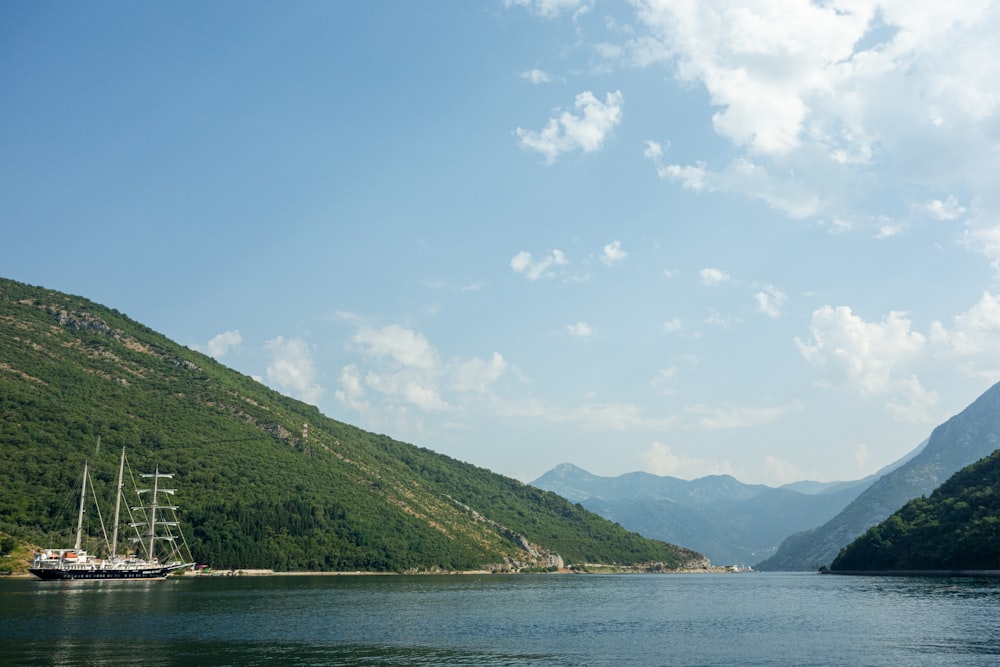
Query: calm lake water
x=707, y=620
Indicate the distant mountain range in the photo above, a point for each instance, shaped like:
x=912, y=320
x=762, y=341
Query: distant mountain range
x=731, y=522
x=719, y=516
x=962, y=440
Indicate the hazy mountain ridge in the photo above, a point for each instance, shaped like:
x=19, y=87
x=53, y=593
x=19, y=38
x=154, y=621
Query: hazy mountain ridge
x=254, y=489
x=965, y=438
x=727, y=520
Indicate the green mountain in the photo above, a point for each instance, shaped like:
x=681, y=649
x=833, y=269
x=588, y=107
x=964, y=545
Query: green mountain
x=257, y=487
x=956, y=528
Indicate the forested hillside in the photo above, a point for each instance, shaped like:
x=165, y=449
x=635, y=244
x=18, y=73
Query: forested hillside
x=956, y=528
x=256, y=487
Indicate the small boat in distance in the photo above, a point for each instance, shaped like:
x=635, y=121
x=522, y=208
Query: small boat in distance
x=76, y=563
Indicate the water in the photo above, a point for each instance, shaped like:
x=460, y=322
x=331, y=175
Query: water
x=677, y=620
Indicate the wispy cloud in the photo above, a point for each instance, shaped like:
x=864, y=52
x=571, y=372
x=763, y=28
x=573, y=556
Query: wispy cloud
x=550, y=8
x=717, y=319
x=536, y=76
x=770, y=300
x=579, y=330
x=673, y=326
x=660, y=459
x=711, y=276
x=730, y=417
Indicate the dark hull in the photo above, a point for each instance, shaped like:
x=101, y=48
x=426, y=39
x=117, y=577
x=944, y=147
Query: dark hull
x=57, y=574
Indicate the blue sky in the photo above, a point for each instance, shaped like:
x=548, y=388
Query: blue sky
x=757, y=238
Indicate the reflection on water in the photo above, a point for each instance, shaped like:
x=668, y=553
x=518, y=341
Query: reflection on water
x=750, y=619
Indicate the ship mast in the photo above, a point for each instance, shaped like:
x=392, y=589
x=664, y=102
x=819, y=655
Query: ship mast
x=154, y=506
x=83, y=500
x=118, y=505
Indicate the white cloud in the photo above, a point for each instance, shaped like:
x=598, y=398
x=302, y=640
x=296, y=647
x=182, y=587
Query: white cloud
x=536, y=76
x=225, y=341
x=973, y=339
x=476, y=375
x=871, y=357
x=660, y=459
x=890, y=229
x=761, y=62
x=653, y=150
x=717, y=319
x=613, y=253
x=410, y=386
x=291, y=369
x=524, y=263
x=788, y=195
x=399, y=368
x=403, y=365
x=826, y=103
x=711, y=276
x=585, y=131
x=352, y=391
x=405, y=346
x=673, y=326
x=944, y=210
x=770, y=300
x=691, y=178
x=579, y=330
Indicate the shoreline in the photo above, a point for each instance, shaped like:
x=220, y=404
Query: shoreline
x=596, y=569
x=940, y=574
x=263, y=572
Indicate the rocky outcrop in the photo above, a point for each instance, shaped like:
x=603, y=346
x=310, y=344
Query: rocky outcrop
x=80, y=321
x=534, y=555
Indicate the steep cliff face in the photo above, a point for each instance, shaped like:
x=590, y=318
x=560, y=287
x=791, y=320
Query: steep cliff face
x=964, y=439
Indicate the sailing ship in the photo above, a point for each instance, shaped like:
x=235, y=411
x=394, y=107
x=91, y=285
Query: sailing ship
x=76, y=563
